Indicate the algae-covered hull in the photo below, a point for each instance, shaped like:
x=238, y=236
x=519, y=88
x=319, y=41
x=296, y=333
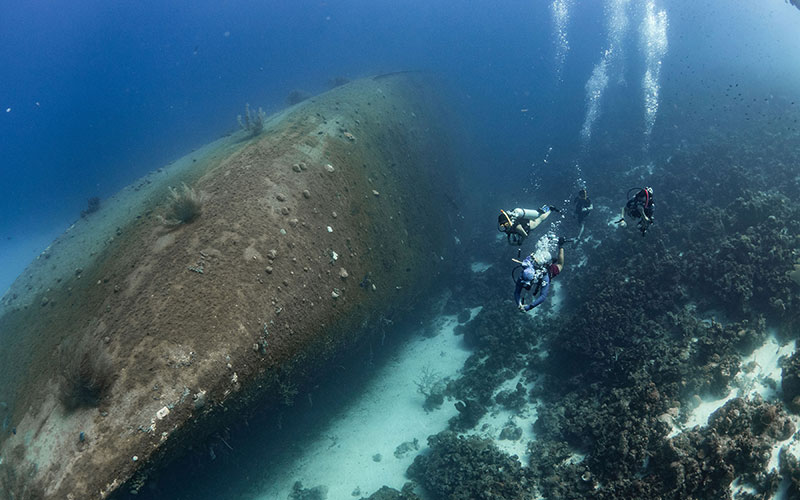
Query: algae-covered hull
x=310, y=232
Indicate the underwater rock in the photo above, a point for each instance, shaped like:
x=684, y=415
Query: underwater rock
x=470, y=467
x=469, y=414
x=405, y=448
x=315, y=493
x=515, y=399
x=511, y=432
x=386, y=493
x=179, y=333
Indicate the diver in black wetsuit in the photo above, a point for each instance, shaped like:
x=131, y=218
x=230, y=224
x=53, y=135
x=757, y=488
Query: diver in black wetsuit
x=583, y=205
x=639, y=208
x=518, y=223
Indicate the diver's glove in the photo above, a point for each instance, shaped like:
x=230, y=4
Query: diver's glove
x=545, y=209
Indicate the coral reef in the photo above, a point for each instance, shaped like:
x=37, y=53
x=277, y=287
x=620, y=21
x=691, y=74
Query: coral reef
x=296, y=97
x=315, y=493
x=92, y=206
x=252, y=122
x=185, y=205
x=431, y=385
x=790, y=469
x=470, y=468
x=386, y=493
x=647, y=328
x=790, y=382
x=87, y=376
x=703, y=462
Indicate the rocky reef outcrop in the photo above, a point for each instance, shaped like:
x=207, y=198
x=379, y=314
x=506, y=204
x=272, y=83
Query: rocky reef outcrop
x=310, y=233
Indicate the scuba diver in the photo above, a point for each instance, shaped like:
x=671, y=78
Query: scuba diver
x=538, y=269
x=519, y=222
x=640, y=208
x=583, y=207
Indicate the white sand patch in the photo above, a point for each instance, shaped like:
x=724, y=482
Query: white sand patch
x=479, y=267
x=762, y=370
x=389, y=413
x=699, y=416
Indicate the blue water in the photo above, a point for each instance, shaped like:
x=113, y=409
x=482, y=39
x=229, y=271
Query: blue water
x=96, y=94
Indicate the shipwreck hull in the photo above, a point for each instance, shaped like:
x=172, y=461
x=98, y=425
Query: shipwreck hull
x=311, y=233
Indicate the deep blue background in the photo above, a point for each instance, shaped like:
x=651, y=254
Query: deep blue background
x=102, y=92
